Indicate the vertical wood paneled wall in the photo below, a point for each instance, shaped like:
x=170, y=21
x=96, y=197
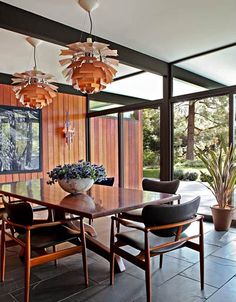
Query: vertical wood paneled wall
x=133, y=150
x=104, y=144
x=54, y=149
x=104, y=148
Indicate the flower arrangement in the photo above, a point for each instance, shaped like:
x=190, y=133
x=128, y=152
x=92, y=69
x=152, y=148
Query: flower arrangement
x=82, y=169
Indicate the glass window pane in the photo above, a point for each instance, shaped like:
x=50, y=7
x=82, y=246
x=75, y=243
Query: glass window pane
x=98, y=106
x=182, y=87
x=147, y=86
x=218, y=66
x=151, y=143
x=200, y=123
x=125, y=70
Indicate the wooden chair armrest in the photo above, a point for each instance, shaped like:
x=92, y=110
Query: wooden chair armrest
x=39, y=225
x=128, y=224
x=54, y=223
x=26, y=227
x=174, y=225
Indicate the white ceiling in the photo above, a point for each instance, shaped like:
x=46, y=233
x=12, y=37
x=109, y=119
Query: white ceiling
x=168, y=30
x=164, y=29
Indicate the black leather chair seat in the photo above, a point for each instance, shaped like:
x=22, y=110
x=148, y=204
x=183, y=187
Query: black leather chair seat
x=136, y=239
x=49, y=236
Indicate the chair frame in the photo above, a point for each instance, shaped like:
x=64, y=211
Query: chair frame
x=44, y=256
x=149, y=185
x=142, y=260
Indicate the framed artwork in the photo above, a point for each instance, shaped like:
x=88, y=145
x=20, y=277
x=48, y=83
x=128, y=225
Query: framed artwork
x=20, y=140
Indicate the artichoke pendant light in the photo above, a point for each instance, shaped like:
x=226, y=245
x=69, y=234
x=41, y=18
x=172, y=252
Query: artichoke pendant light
x=33, y=88
x=89, y=65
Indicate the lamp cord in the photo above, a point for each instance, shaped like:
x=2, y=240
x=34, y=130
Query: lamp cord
x=35, y=64
x=91, y=24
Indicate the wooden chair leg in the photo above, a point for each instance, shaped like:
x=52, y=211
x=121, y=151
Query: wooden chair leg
x=201, y=255
x=84, y=252
x=27, y=267
x=161, y=261
x=148, y=270
x=3, y=252
x=54, y=250
x=112, y=255
x=148, y=281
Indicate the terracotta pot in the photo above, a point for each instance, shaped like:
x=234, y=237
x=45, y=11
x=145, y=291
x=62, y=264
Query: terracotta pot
x=222, y=218
x=75, y=186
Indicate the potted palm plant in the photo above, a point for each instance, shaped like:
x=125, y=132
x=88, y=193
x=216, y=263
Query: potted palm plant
x=221, y=166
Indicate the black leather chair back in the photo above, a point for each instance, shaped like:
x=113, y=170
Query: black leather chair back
x=161, y=186
x=19, y=212
x=109, y=181
x=157, y=215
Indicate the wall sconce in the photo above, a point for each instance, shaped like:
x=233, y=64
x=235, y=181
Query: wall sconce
x=69, y=131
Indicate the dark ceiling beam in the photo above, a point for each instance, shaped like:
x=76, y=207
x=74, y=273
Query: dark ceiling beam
x=194, y=78
x=27, y=23
x=115, y=98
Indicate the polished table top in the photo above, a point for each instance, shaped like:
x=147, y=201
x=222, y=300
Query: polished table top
x=99, y=201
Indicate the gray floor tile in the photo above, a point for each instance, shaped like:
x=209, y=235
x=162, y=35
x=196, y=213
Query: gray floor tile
x=219, y=238
x=191, y=255
x=227, y=293
x=14, y=280
x=49, y=270
x=99, y=270
x=180, y=289
x=7, y=298
x=228, y=251
x=126, y=289
x=171, y=267
x=217, y=271
x=55, y=289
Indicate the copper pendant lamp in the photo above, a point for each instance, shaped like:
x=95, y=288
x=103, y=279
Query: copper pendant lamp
x=33, y=88
x=90, y=65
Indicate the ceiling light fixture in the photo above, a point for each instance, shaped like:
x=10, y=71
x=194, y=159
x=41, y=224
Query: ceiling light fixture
x=90, y=66
x=33, y=88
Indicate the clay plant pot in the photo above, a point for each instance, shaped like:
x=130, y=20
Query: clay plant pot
x=222, y=218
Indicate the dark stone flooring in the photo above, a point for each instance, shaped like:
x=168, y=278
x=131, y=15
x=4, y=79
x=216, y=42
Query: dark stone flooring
x=177, y=281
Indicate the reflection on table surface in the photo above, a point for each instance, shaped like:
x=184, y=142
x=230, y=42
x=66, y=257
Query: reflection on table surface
x=97, y=202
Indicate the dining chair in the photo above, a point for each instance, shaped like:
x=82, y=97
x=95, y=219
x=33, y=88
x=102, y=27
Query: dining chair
x=37, y=236
x=163, y=231
x=151, y=185
x=109, y=181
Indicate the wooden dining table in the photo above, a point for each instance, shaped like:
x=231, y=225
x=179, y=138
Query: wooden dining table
x=99, y=201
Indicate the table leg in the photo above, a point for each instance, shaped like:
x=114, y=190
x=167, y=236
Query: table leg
x=102, y=250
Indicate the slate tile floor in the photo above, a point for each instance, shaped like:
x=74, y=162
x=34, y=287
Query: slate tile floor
x=177, y=281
